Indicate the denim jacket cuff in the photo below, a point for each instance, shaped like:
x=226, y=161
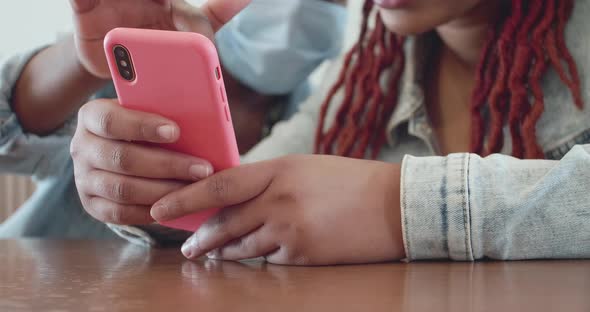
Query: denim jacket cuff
x=435, y=207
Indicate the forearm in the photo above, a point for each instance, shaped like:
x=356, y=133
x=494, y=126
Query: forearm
x=51, y=88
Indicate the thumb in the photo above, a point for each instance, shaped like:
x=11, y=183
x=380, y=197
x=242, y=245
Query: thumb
x=219, y=12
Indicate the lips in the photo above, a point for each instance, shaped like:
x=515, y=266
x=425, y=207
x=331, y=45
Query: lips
x=392, y=4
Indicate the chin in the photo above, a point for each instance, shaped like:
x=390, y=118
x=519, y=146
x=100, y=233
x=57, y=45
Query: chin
x=405, y=23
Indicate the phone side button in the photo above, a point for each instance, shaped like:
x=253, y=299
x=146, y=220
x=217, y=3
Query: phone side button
x=222, y=92
x=227, y=114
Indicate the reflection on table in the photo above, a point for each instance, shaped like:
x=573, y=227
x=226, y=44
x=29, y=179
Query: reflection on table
x=114, y=276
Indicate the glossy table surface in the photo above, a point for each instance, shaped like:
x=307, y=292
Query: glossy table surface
x=114, y=276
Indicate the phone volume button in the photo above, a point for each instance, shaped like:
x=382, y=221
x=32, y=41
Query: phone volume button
x=227, y=114
x=222, y=92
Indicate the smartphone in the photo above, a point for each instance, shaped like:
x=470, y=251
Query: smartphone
x=176, y=75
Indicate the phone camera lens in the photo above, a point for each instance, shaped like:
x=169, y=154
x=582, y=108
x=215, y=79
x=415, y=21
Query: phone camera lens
x=124, y=63
x=120, y=52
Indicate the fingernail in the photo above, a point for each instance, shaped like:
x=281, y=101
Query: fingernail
x=200, y=171
x=167, y=132
x=157, y=211
x=186, y=251
x=188, y=248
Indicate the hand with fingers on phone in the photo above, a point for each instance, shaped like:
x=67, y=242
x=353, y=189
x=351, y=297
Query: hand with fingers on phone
x=118, y=176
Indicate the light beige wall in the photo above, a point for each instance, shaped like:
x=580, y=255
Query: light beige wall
x=14, y=191
x=31, y=23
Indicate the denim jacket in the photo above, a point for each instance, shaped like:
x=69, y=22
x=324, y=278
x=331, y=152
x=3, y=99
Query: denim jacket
x=461, y=206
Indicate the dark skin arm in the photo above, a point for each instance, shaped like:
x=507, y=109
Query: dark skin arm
x=52, y=87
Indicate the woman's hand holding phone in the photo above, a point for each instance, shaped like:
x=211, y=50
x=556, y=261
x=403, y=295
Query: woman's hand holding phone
x=94, y=19
x=118, y=177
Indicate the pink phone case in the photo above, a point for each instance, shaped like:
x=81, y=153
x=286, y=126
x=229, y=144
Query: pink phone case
x=178, y=76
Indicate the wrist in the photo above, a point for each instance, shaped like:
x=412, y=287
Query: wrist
x=392, y=193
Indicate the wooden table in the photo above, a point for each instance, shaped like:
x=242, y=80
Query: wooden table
x=113, y=276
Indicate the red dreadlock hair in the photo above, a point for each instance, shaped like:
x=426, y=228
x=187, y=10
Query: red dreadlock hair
x=517, y=54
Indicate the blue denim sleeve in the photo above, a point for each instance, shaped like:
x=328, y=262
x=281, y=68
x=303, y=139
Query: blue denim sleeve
x=20, y=152
x=464, y=207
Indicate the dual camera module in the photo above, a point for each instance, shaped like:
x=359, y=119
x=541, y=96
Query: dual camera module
x=124, y=63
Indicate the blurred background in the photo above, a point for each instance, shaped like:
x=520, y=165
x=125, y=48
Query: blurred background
x=29, y=23
x=22, y=27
